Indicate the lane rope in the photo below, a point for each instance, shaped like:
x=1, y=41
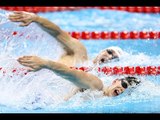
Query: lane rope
x=138, y=9
x=106, y=35
x=116, y=70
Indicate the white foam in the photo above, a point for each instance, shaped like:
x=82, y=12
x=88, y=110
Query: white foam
x=44, y=88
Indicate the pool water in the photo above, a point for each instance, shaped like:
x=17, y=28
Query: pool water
x=42, y=91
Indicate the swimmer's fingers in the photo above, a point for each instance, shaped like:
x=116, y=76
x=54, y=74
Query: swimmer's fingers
x=32, y=66
x=14, y=16
x=32, y=70
x=29, y=69
x=26, y=57
x=25, y=23
x=26, y=64
x=18, y=12
x=17, y=19
x=23, y=59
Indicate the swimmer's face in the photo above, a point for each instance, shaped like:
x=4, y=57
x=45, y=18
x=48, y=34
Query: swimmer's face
x=118, y=87
x=105, y=56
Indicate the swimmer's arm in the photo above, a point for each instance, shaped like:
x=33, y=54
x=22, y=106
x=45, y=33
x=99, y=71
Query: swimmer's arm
x=71, y=44
x=80, y=78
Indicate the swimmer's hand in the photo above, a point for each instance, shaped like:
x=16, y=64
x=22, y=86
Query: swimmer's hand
x=33, y=62
x=20, y=16
x=80, y=78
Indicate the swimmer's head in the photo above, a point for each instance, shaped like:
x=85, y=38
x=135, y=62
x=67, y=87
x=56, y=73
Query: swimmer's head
x=108, y=54
x=120, y=85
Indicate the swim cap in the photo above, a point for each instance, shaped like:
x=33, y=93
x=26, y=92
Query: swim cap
x=133, y=81
x=117, y=50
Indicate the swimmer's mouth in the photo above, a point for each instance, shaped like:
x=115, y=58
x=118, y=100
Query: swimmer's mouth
x=116, y=92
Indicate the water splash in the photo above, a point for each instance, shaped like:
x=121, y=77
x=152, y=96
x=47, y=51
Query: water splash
x=43, y=90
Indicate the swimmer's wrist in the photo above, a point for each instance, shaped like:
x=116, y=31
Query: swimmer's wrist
x=49, y=64
x=35, y=18
x=46, y=64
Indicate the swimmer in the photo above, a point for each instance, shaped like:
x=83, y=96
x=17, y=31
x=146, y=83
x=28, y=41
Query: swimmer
x=75, y=53
x=81, y=79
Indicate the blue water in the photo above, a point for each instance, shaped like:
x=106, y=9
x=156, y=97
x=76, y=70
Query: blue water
x=110, y=20
x=42, y=92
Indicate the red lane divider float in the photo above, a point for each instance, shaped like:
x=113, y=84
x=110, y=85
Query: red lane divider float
x=117, y=70
x=127, y=70
x=138, y=9
x=116, y=35
x=94, y=35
